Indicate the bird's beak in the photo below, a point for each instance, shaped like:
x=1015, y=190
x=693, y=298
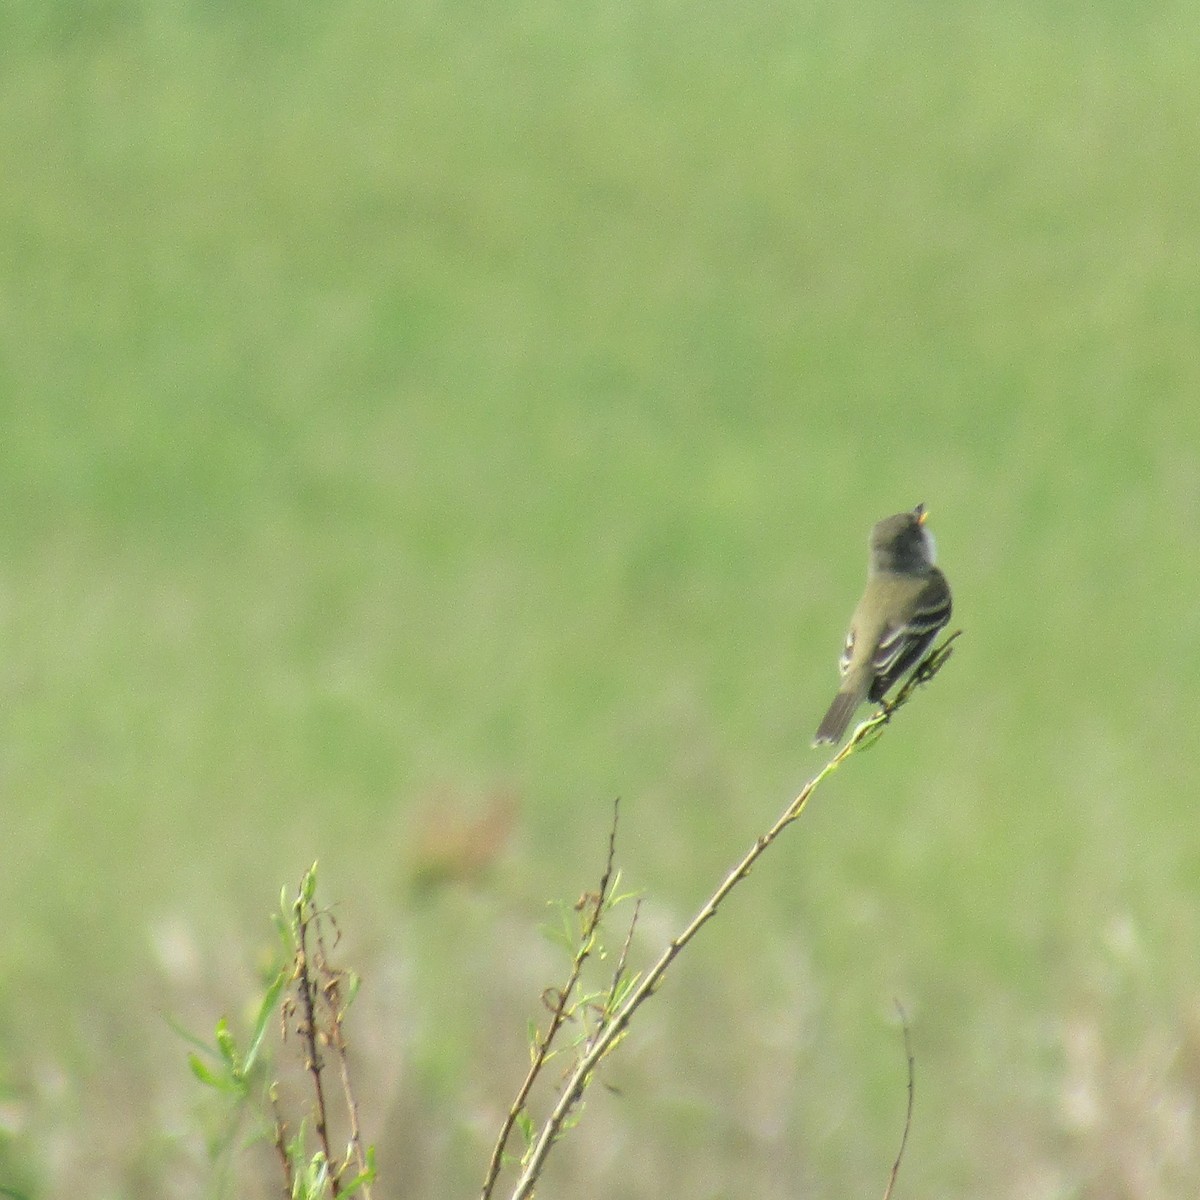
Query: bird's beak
x=921, y=514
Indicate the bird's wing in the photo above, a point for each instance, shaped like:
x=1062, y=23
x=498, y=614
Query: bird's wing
x=902, y=645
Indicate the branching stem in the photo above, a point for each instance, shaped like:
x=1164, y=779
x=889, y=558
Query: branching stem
x=611, y=1032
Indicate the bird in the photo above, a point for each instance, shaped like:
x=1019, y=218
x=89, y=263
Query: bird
x=906, y=602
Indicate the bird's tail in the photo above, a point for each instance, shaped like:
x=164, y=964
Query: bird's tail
x=838, y=716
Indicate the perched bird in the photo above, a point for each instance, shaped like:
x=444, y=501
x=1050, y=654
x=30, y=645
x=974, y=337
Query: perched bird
x=906, y=602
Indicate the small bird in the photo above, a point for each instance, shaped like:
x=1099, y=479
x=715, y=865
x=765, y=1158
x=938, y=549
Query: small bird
x=906, y=602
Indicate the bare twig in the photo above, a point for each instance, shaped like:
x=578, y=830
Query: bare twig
x=592, y=906
x=613, y=1029
x=619, y=972
x=908, y=1053
x=279, y=1140
x=308, y=1032
x=331, y=991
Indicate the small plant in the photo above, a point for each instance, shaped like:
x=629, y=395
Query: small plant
x=589, y=1013
x=609, y=1016
x=309, y=997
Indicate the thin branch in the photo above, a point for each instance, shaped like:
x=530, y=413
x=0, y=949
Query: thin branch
x=610, y=1033
x=593, y=907
x=308, y=1031
x=279, y=1140
x=331, y=992
x=351, y=1106
x=619, y=972
x=908, y=1053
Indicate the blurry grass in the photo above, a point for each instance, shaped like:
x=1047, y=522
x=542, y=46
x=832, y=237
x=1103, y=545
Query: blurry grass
x=407, y=402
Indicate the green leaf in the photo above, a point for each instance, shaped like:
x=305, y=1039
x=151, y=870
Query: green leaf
x=308, y=888
x=559, y=935
x=315, y=1176
x=623, y=988
x=295, y=1148
x=870, y=737
x=365, y=1176
x=285, y=929
x=207, y=1076
x=265, y=1012
x=228, y=1048
x=525, y=1125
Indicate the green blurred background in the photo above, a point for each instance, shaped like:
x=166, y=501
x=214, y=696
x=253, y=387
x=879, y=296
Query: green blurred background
x=426, y=422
